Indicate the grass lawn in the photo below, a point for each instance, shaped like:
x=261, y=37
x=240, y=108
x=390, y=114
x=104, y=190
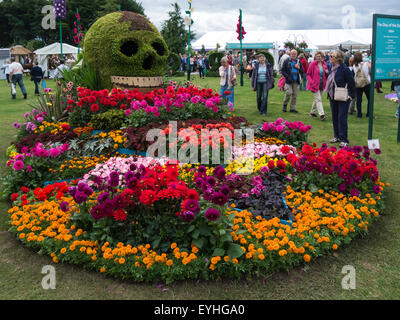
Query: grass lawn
x=376, y=257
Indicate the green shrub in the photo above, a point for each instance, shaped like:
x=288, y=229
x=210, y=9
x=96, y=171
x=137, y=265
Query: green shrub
x=215, y=60
x=268, y=56
x=173, y=62
x=125, y=44
x=110, y=120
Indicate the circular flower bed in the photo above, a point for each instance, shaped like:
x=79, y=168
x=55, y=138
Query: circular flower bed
x=278, y=203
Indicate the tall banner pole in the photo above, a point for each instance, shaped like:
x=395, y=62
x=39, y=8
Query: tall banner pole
x=189, y=12
x=79, y=43
x=61, y=49
x=372, y=85
x=241, y=49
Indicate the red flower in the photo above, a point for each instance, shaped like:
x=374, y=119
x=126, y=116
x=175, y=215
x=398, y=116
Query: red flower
x=66, y=127
x=120, y=215
x=147, y=197
x=94, y=107
x=14, y=196
x=307, y=149
x=285, y=150
x=271, y=164
x=24, y=189
x=193, y=194
x=281, y=165
x=92, y=99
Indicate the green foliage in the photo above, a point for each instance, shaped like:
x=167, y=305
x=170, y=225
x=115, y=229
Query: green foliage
x=34, y=44
x=80, y=117
x=174, y=30
x=109, y=6
x=215, y=60
x=269, y=57
x=53, y=105
x=110, y=120
x=84, y=76
x=113, y=49
x=190, y=111
x=174, y=62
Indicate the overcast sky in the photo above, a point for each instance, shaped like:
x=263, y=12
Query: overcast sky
x=219, y=15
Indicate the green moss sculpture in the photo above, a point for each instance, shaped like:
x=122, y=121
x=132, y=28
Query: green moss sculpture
x=125, y=44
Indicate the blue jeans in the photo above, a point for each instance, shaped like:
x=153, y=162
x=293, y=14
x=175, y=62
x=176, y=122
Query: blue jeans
x=397, y=89
x=340, y=111
x=231, y=97
x=262, y=97
x=37, y=83
x=17, y=78
x=303, y=84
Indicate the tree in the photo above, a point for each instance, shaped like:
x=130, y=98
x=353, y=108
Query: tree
x=108, y=6
x=21, y=20
x=202, y=50
x=174, y=30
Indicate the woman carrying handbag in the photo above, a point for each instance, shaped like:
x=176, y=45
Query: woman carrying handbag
x=341, y=89
x=228, y=80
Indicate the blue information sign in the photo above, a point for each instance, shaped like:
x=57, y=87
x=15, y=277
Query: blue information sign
x=387, y=61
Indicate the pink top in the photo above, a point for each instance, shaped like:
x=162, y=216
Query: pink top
x=314, y=76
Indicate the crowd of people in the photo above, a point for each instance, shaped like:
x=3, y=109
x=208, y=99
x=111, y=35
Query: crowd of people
x=345, y=78
x=14, y=71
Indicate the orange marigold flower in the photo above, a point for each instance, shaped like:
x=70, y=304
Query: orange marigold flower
x=307, y=258
x=102, y=269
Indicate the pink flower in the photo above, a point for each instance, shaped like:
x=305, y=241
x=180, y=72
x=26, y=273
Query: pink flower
x=28, y=169
x=54, y=152
x=18, y=165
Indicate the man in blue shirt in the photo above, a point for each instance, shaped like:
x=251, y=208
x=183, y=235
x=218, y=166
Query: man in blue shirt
x=291, y=70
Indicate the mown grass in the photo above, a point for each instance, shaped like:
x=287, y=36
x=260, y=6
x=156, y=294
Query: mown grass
x=376, y=257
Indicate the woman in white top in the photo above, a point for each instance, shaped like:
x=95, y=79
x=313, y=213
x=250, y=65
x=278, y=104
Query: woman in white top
x=6, y=67
x=228, y=76
x=363, y=81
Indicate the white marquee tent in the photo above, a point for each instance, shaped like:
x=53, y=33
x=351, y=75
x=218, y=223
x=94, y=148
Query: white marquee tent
x=326, y=39
x=314, y=38
x=54, y=49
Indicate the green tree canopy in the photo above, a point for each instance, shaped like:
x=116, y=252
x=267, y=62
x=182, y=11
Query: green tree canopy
x=21, y=20
x=174, y=30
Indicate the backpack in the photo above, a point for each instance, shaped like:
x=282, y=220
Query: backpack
x=360, y=78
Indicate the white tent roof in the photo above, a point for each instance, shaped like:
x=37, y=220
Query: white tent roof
x=55, y=49
x=314, y=38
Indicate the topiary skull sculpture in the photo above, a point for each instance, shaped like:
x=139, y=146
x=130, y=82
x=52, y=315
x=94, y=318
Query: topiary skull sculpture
x=125, y=44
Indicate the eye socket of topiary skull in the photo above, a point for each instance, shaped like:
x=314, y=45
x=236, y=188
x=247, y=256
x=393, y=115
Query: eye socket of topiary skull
x=129, y=48
x=159, y=47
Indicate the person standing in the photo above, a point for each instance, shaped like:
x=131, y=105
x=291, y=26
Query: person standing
x=36, y=76
x=363, y=81
x=304, y=63
x=291, y=70
x=16, y=71
x=396, y=87
x=284, y=57
x=317, y=75
x=228, y=77
x=340, y=77
x=262, y=81
x=352, y=108
x=201, y=66
x=6, y=67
